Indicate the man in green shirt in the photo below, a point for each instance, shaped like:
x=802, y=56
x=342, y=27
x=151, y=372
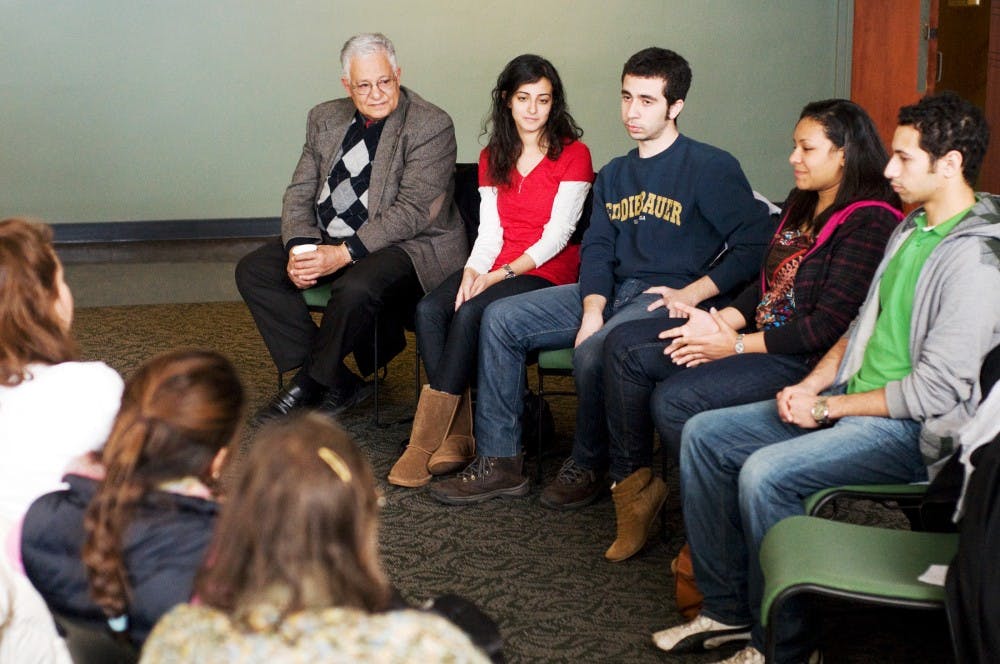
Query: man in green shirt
x=883, y=403
x=887, y=356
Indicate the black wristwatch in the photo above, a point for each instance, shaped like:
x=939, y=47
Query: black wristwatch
x=509, y=270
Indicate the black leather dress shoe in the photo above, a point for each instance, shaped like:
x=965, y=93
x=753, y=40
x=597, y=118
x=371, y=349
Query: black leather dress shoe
x=340, y=398
x=287, y=400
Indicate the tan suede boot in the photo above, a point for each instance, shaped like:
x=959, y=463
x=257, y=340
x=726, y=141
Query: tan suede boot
x=435, y=411
x=638, y=499
x=459, y=446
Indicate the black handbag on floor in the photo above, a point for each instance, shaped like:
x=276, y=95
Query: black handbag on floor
x=481, y=629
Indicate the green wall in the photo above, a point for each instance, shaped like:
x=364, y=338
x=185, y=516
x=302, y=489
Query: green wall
x=194, y=109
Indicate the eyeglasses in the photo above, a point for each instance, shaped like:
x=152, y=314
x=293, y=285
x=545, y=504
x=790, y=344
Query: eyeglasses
x=384, y=84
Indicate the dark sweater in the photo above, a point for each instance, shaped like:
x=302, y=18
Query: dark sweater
x=665, y=219
x=830, y=285
x=164, y=546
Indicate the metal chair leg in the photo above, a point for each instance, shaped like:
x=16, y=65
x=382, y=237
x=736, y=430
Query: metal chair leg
x=539, y=474
x=769, y=644
x=416, y=377
x=375, y=391
x=664, y=535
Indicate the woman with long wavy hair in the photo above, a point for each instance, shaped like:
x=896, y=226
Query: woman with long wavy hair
x=53, y=409
x=122, y=549
x=294, y=572
x=534, y=175
x=50, y=404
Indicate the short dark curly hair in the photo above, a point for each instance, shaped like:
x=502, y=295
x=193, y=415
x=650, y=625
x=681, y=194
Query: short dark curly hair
x=654, y=62
x=947, y=122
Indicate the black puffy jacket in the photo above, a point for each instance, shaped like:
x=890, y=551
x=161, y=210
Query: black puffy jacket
x=164, y=546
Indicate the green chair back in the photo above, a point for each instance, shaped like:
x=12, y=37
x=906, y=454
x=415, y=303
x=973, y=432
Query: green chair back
x=876, y=565
x=860, y=563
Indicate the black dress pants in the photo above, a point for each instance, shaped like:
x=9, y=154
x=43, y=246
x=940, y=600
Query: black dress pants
x=358, y=294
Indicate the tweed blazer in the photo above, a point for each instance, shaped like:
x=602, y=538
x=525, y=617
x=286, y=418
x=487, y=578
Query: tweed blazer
x=410, y=197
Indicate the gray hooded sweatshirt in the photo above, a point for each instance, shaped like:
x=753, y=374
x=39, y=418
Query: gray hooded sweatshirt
x=956, y=322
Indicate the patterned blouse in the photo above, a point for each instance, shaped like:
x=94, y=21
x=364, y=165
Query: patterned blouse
x=200, y=634
x=827, y=288
x=777, y=306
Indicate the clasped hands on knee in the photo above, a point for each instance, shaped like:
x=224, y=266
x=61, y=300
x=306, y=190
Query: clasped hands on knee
x=705, y=337
x=795, y=404
x=474, y=283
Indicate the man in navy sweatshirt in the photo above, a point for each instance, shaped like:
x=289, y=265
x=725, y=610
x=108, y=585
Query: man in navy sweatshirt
x=662, y=216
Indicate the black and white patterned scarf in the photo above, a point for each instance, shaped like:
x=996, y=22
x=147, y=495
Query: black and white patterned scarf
x=342, y=206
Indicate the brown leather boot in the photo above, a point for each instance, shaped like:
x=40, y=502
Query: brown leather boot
x=435, y=411
x=459, y=446
x=638, y=499
x=484, y=478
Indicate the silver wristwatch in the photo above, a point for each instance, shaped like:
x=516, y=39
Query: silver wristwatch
x=739, y=347
x=821, y=412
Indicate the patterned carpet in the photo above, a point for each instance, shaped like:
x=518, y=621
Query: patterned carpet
x=541, y=574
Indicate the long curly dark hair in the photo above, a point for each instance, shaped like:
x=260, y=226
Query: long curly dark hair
x=504, y=146
x=848, y=126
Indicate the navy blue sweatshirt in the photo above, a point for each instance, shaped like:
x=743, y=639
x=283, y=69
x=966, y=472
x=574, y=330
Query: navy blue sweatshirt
x=666, y=218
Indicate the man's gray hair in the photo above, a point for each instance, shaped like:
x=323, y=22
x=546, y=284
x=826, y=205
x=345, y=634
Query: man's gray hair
x=364, y=44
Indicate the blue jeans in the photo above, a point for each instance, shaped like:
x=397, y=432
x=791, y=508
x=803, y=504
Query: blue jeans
x=731, y=381
x=743, y=470
x=642, y=385
x=544, y=320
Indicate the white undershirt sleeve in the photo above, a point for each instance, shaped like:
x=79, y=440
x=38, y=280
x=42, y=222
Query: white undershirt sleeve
x=490, y=237
x=566, y=208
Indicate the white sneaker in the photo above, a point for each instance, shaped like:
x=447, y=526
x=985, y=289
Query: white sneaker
x=751, y=655
x=748, y=655
x=702, y=633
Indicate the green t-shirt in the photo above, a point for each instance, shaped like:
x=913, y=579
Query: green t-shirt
x=887, y=356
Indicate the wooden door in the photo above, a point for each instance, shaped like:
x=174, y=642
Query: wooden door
x=885, y=65
x=989, y=177
x=962, y=44
x=894, y=64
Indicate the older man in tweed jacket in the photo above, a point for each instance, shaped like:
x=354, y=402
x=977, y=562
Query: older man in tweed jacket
x=369, y=210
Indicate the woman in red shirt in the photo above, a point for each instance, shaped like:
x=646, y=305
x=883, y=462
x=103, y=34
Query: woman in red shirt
x=534, y=176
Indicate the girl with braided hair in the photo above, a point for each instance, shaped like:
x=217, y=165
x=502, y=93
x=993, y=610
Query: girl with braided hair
x=124, y=548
